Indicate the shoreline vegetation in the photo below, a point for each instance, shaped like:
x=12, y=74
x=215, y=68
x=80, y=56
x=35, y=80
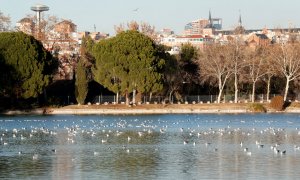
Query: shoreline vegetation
x=122, y=109
x=132, y=67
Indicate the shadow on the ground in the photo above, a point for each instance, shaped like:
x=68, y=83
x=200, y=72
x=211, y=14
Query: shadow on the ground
x=286, y=105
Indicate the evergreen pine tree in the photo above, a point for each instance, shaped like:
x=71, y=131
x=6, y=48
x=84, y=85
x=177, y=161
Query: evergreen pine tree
x=128, y=63
x=27, y=66
x=81, y=83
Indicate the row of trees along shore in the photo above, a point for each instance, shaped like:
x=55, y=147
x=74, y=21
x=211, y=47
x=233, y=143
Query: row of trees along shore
x=131, y=64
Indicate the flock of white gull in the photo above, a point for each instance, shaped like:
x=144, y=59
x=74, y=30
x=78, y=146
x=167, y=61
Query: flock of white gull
x=129, y=134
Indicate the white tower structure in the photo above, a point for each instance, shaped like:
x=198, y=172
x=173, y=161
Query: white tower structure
x=39, y=8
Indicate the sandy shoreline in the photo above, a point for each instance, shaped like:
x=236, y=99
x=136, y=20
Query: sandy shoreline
x=120, y=111
x=142, y=109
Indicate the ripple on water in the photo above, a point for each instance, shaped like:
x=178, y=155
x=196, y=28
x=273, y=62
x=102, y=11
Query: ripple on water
x=160, y=146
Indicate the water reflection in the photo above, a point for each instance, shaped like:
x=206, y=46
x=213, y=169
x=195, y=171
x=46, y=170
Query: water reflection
x=150, y=147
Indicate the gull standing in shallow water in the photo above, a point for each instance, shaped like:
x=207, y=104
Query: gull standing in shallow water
x=185, y=142
x=35, y=156
x=283, y=152
x=247, y=151
x=207, y=144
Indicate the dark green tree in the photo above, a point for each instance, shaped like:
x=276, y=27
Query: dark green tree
x=83, y=70
x=188, y=67
x=28, y=66
x=172, y=77
x=87, y=45
x=181, y=71
x=188, y=53
x=128, y=63
x=188, y=57
x=81, y=83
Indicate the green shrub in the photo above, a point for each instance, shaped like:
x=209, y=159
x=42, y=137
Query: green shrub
x=277, y=103
x=256, y=107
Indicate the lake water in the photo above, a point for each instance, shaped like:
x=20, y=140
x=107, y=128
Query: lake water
x=195, y=146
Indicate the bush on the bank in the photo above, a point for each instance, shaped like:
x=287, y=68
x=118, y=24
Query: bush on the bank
x=256, y=107
x=277, y=103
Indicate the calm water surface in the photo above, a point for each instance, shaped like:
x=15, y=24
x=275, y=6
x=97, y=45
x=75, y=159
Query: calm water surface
x=210, y=146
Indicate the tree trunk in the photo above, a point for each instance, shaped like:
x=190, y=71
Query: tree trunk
x=268, y=87
x=253, y=92
x=220, y=95
x=133, y=96
x=170, y=96
x=127, y=98
x=236, y=90
x=286, y=88
x=117, y=98
x=150, y=97
x=220, y=90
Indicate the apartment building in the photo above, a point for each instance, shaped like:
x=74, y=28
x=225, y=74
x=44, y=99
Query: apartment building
x=195, y=27
x=198, y=41
x=203, y=26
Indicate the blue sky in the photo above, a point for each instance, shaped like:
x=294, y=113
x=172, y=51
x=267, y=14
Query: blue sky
x=172, y=14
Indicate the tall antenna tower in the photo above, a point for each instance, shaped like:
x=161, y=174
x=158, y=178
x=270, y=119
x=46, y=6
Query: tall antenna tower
x=39, y=8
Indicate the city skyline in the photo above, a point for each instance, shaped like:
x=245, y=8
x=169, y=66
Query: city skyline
x=161, y=14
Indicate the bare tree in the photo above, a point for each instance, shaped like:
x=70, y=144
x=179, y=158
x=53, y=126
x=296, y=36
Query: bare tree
x=55, y=34
x=44, y=31
x=133, y=25
x=4, y=22
x=235, y=53
x=48, y=35
x=270, y=70
x=119, y=28
x=142, y=27
x=148, y=30
x=287, y=62
x=255, y=66
x=216, y=67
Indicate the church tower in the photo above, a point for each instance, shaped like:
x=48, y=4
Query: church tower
x=209, y=28
x=240, y=20
x=210, y=22
x=239, y=29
